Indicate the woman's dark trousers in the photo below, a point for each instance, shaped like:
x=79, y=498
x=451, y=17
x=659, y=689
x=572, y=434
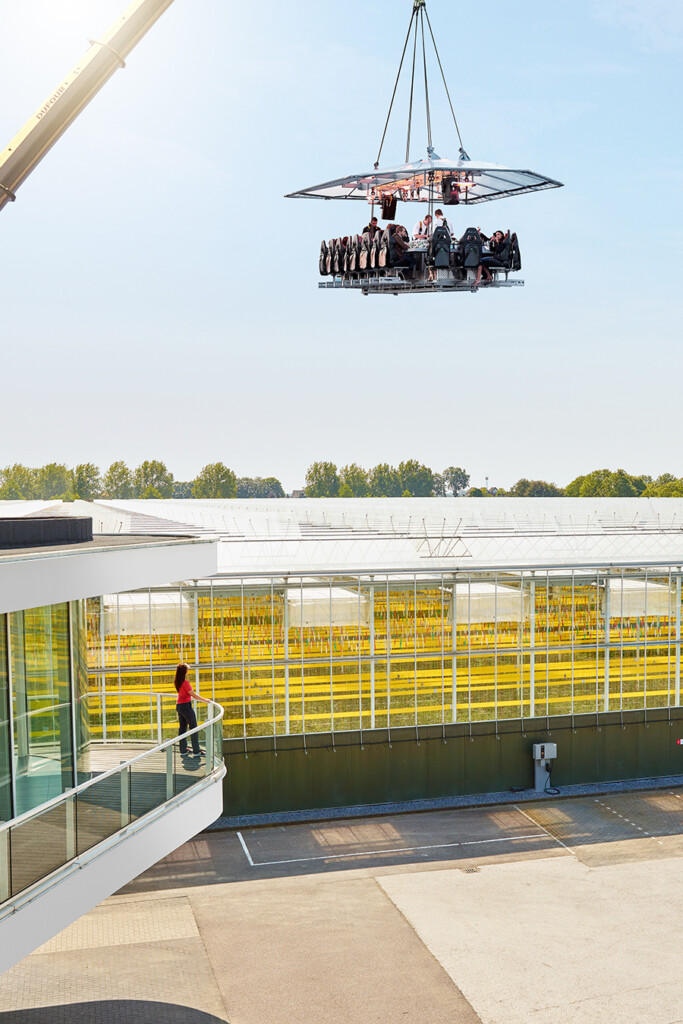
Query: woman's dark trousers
x=188, y=720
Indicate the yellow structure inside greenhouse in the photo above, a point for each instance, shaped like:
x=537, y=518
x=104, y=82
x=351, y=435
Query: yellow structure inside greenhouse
x=355, y=653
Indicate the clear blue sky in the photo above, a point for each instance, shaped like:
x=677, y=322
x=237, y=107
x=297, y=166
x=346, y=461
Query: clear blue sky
x=159, y=295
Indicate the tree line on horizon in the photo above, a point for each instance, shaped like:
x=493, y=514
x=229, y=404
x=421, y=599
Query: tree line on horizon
x=412, y=479
x=152, y=479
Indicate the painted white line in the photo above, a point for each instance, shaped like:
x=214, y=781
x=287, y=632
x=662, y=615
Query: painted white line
x=379, y=853
x=244, y=847
x=627, y=820
x=554, y=838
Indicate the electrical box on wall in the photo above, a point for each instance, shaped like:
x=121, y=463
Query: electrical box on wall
x=545, y=751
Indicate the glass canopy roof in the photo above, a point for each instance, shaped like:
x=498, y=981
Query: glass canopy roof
x=433, y=179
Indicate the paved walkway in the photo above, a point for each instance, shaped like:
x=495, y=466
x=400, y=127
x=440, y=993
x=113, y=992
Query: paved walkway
x=554, y=912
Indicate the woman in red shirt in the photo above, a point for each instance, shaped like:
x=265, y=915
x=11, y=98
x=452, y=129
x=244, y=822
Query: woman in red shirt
x=186, y=715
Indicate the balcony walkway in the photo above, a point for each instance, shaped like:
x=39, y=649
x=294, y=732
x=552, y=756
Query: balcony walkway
x=134, y=803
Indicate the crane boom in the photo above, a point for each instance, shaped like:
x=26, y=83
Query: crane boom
x=83, y=82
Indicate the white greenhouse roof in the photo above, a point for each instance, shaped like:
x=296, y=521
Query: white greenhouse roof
x=392, y=534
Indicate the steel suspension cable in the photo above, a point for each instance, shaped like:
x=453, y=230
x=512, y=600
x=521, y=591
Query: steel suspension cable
x=393, y=95
x=424, y=61
x=412, y=93
x=436, y=51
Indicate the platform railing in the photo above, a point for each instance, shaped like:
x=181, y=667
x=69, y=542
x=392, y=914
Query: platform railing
x=111, y=799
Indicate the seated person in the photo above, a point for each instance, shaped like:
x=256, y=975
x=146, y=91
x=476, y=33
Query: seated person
x=423, y=228
x=400, y=246
x=371, y=229
x=498, y=254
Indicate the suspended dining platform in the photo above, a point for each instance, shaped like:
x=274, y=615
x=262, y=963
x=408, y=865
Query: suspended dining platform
x=457, y=258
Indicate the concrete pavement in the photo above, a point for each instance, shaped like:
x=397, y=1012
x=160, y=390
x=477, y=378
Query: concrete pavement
x=559, y=912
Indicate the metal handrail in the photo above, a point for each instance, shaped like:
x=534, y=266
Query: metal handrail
x=69, y=794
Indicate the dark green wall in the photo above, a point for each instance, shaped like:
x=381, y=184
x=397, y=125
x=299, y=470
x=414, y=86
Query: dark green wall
x=434, y=763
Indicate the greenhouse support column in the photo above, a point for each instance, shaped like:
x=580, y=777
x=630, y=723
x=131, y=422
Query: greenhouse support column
x=103, y=677
x=196, y=634
x=678, y=640
x=372, y=652
x=286, y=632
x=532, y=648
x=454, y=645
x=608, y=615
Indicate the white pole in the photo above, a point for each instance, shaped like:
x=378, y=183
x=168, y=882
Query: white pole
x=608, y=590
x=372, y=652
x=532, y=648
x=286, y=631
x=454, y=649
x=678, y=639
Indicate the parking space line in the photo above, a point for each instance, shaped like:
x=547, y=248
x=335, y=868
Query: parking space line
x=567, y=848
x=378, y=853
x=245, y=848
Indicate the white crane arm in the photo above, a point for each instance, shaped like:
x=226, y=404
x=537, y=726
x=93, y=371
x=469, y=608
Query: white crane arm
x=64, y=105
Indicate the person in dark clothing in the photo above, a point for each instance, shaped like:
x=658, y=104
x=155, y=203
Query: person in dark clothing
x=401, y=246
x=371, y=229
x=499, y=251
x=186, y=716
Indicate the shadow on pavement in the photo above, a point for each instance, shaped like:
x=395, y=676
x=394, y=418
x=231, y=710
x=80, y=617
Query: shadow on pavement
x=121, y=1011
x=418, y=838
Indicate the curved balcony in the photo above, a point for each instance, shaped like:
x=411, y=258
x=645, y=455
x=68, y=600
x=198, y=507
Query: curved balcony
x=138, y=799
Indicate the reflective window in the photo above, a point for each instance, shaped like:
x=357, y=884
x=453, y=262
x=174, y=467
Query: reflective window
x=39, y=645
x=5, y=781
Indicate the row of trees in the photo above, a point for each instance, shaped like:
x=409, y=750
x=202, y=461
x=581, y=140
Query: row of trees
x=409, y=479
x=412, y=479
x=151, y=479
x=602, y=483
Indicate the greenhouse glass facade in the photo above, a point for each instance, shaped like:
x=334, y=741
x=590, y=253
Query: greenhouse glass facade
x=343, y=652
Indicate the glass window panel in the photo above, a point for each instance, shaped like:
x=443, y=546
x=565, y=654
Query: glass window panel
x=5, y=778
x=558, y=676
x=660, y=677
x=430, y=691
x=588, y=681
x=482, y=688
x=509, y=682
x=259, y=700
x=229, y=693
x=380, y=618
x=42, y=744
x=402, y=692
x=347, y=689
x=463, y=694
x=227, y=625
x=39, y=639
x=633, y=673
x=257, y=626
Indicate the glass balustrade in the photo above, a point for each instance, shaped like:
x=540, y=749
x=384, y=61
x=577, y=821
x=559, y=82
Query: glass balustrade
x=130, y=766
